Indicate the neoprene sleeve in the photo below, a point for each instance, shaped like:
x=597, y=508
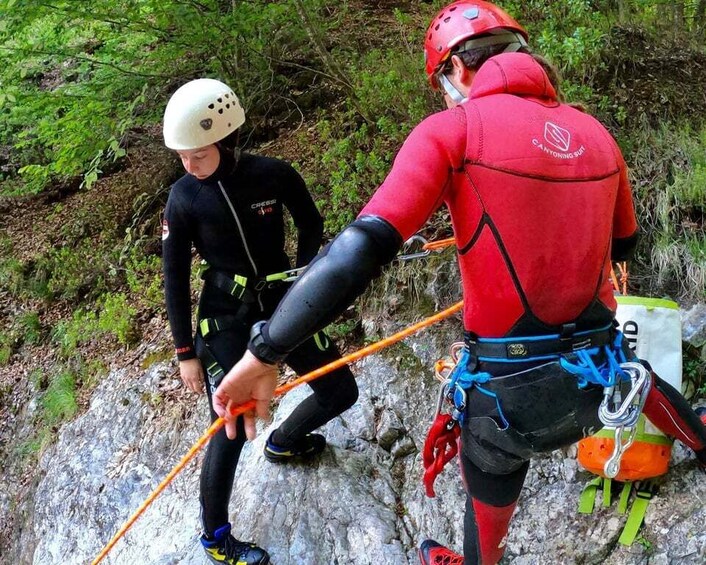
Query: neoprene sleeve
x=336, y=277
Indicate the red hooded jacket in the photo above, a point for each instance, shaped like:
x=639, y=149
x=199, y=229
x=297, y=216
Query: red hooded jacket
x=536, y=189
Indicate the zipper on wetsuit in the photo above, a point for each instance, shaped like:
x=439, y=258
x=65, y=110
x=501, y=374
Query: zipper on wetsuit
x=242, y=236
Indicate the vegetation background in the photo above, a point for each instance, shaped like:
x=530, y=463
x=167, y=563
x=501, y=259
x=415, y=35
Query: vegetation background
x=333, y=87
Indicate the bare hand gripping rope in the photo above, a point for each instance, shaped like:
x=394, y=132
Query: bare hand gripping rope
x=220, y=422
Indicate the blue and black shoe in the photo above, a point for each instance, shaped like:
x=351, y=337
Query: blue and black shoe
x=306, y=447
x=224, y=549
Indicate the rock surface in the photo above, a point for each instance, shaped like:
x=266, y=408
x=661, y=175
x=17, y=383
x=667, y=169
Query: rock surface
x=361, y=502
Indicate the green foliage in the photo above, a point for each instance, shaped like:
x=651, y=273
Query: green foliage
x=11, y=275
x=115, y=317
x=76, y=78
x=671, y=208
x=143, y=274
x=694, y=371
x=30, y=327
x=352, y=167
x=6, y=347
x=28, y=451
x=65, y=273
x=59, y=400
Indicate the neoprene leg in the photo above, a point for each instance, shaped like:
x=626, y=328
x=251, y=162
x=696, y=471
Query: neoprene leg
x=333, y=393
x=217, y=474
x=671, y=413
x=222, y=454
x=490, y=502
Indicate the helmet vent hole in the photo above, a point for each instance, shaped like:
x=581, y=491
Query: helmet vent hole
x=227, y=106
x=228, y=124
x=220, y=100
x=220, y=110
x=453, y=8
x=437, y=27
x=226, y=95
x=211, y=106
x=447, y=20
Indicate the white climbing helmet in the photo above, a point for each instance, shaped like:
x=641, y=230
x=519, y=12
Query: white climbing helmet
x=201, y=112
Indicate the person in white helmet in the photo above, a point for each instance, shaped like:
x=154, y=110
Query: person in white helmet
x=229, y=207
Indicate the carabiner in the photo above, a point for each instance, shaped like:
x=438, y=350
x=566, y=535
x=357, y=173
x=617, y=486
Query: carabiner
x=612, y=465
x=416, y=254
x=444, y=395
x=629, y=409
x=627, y=414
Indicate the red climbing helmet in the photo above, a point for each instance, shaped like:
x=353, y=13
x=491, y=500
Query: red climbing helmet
x=461, y=21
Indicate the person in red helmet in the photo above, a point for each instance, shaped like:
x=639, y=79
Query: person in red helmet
x=531, y=183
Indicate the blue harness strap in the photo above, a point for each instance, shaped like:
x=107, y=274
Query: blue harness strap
x=462, y=380
x=607, y=374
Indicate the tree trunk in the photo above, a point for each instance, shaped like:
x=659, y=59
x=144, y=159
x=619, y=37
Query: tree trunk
x=700, y=15
x=332, y=66
x=678, y=11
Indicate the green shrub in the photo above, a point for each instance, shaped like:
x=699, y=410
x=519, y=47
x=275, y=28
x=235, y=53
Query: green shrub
x=143, y=274
x=116, y=317
x=30, y=328
x=12, y=277
x=59, y=400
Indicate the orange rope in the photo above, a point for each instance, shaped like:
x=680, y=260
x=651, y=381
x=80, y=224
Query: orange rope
x=440, y=244
x=242, y=408
x=622, y=285
x=623, y=267
x=616, y=284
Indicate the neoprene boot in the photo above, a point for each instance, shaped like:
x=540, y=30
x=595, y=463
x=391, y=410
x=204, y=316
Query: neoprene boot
x=306, y=447
x=433, y=553
x=223, y=548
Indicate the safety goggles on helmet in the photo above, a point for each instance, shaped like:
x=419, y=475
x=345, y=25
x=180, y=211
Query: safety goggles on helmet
x=457, y=23
x=200, y=113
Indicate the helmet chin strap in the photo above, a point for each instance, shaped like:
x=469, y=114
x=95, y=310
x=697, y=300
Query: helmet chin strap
x=451, y=90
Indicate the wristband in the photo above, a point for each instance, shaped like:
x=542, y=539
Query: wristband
x=260, y=349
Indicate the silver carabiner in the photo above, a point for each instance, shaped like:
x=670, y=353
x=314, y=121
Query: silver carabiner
x=417, y=254
x=612, y=465
x=293, y=274
x=626, y=415
x=630, y=408
x=443, y=396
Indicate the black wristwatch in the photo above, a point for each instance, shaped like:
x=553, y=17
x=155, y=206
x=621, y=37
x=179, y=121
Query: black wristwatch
x=260, y=349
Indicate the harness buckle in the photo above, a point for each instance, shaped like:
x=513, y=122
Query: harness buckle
x=208, y=325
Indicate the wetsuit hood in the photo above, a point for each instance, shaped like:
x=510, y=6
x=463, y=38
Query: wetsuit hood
x=226, y=166
x=512, y=73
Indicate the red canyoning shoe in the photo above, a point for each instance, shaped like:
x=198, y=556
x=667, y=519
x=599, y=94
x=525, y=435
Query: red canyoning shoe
x=433, y=553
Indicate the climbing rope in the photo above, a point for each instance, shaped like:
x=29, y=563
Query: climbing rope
x=621, y=285
x=248, y=406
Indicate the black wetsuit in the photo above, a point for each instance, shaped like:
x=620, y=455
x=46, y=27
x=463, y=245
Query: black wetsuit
x=234, y=219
